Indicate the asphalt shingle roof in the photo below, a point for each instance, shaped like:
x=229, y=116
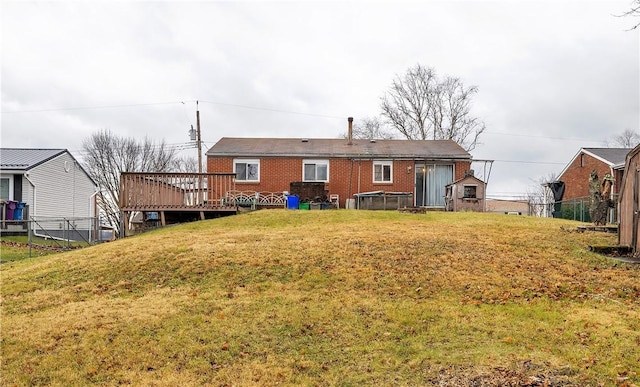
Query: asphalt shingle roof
x=25, y=159
x=313, y=147
x=614, y=156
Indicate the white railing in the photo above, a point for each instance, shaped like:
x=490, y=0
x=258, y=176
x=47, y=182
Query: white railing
x=255, y=199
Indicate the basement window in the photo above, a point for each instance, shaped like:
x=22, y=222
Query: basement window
x=247, y=170
x=315, y=170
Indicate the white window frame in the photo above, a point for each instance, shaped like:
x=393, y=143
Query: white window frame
x=247, y=161
x=316, y=163
x=383, y=163
x=10, y=178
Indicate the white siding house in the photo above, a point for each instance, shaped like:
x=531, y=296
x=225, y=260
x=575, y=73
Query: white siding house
x=50, y=182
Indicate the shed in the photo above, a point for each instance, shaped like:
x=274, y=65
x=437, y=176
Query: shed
x=629, y=202
x=466, y=194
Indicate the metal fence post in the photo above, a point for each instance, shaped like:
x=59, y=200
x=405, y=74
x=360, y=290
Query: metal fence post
x=29, y=236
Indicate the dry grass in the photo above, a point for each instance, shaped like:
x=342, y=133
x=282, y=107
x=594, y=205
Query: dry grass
x=327, y=298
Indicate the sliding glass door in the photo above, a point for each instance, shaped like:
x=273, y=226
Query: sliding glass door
x=431, y=180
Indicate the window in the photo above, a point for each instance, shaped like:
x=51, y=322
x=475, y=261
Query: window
x=247, y=170
x=470, y=192
x=315, y=170
x=4, y=188
x=382, y=171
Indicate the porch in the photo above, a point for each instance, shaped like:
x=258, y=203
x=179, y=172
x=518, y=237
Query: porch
x=12, y=217
x=166, y=198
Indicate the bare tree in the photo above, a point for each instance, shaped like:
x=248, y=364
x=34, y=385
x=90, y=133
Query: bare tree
x=370, y=128
x=540, y=195
x=185, y=164
x=107, y=156
x=634, y=11
x=422, y=106
x=627, y=139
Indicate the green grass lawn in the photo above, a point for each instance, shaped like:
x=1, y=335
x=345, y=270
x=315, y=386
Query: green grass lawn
x=16, y=248
x=278, y=297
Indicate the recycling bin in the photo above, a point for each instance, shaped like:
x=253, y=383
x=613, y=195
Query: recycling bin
x=17, y=213
x=11, y=207
x=292, y=202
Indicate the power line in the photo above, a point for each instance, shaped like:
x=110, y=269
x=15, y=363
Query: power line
x=176, y=147
x=529, y=162
x=545, y=137
x=263, y=109
x=271, y=110
x=91, y=107
x=170, y=103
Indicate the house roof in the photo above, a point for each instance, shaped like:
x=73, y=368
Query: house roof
x=613, y=157
x=24, y=159
x=468, y=177
x=338, y=148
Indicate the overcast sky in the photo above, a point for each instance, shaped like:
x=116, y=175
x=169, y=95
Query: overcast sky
x=553, y=76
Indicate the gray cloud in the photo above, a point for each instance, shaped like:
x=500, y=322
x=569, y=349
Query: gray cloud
x=552, y=76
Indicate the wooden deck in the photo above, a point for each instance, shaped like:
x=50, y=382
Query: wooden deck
x=175, y=196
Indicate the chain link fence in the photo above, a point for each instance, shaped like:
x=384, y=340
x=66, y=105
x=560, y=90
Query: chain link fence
x=48, y=234
x=578, y=209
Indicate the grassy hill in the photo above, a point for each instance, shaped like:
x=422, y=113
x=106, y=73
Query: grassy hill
x=327, y=298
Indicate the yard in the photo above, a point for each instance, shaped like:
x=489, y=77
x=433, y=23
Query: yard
x=328, y=298
x=16, y=248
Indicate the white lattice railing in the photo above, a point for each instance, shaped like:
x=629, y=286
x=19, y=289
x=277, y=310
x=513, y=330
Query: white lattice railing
x=255, y=199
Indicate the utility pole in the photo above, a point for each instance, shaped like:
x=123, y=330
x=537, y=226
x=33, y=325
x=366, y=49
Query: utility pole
x=199, y=139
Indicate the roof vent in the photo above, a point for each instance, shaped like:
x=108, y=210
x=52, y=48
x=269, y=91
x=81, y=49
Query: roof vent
x=305, y=140
x=372, y=140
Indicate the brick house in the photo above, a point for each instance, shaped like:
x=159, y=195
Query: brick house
x=603, y=160
x=345, y=167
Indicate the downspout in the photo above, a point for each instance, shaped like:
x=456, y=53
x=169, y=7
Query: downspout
x=350, y=183
x=611, y=195
x=26, y=176
x=95, y=215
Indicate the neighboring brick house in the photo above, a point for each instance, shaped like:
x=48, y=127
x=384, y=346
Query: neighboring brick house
x=420, y=167
x=603, y=160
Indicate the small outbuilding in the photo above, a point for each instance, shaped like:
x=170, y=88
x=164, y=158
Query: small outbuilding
x=629, y=203
x=466, y=194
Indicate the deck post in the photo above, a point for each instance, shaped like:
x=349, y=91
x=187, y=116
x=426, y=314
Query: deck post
x=162, y=220
x=125, y=223
x=202, y=215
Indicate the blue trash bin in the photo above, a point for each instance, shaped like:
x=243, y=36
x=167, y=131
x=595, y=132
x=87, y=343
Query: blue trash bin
x=292, y=202
x=11, y=207
x=17, y=213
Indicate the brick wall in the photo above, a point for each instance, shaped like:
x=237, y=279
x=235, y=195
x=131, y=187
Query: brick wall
x=347, y=177
x=576, y=177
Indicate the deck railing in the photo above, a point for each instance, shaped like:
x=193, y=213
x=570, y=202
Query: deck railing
x=162, y=191
x=256, y=199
